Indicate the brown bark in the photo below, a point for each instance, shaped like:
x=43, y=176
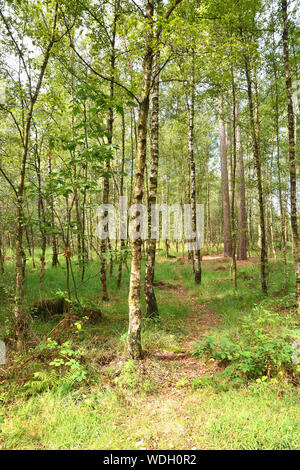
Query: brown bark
x=41, y=214
x=197, y=258
x=208, y=218
x=254, y=122
x=122, y=255
x=1, y=254
x=227, y=235
x=85, y=257
x=278, y=166
x=234, y=164
x=292, y=151
x=110, y=123
x=228, y=140
x=51, y=207
x=241, y=199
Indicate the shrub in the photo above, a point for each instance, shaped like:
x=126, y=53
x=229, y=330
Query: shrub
x=262, y=347
x=64, y=368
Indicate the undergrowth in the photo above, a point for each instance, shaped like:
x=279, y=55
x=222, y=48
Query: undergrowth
x=261, y=348
x=77, y=389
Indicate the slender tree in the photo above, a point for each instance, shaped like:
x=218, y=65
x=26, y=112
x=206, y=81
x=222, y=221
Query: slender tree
x=151, y=303
x=225, y=189
x=21, y=320
x=196, y=254
x=254, y=122
x=292, y=149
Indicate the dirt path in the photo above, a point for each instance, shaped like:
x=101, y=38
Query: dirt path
x=177, y=366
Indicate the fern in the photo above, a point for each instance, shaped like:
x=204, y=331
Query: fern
x=41, y=382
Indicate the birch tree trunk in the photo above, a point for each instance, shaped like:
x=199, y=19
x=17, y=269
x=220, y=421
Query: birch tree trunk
x=151, y=303
x=134, y=345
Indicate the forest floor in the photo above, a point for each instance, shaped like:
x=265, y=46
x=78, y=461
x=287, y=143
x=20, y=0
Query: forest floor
x=157, y=403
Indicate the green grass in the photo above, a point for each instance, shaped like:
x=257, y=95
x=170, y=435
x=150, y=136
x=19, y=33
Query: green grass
x=134, y=407
x=255, y=418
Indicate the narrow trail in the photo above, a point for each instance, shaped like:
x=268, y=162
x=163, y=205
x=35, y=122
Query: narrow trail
x=184, y=365
x=180, y=365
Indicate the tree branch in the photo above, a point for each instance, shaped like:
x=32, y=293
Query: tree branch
x=108, y=79
x=9, y=181
x=17, y=47
x=139, y=8
x=172, y=8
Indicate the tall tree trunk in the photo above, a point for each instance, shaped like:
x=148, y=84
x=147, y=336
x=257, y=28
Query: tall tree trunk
x=292, y=151
x=151, y=303
x=197, y=258
x=234, y=164
x=78, y=219
x=85, y=256
x=278, y=166
x=122, y=248
x=254, y=121
x=41, y=214
x=135, y=315
x=110, y=124
x=52, y=215
x=228, y=140
x=241, y=199
x=227, y=235
x=21, y=320
x=167, y=241
x=208, y=218
x=90, y=229
x=1, y=253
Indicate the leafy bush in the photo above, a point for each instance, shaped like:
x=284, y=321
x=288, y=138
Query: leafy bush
x=66, y=360
x=65, y=371
x=262, y=347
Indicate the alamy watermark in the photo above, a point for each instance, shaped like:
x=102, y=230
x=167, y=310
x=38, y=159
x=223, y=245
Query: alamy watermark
x=172, y=222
